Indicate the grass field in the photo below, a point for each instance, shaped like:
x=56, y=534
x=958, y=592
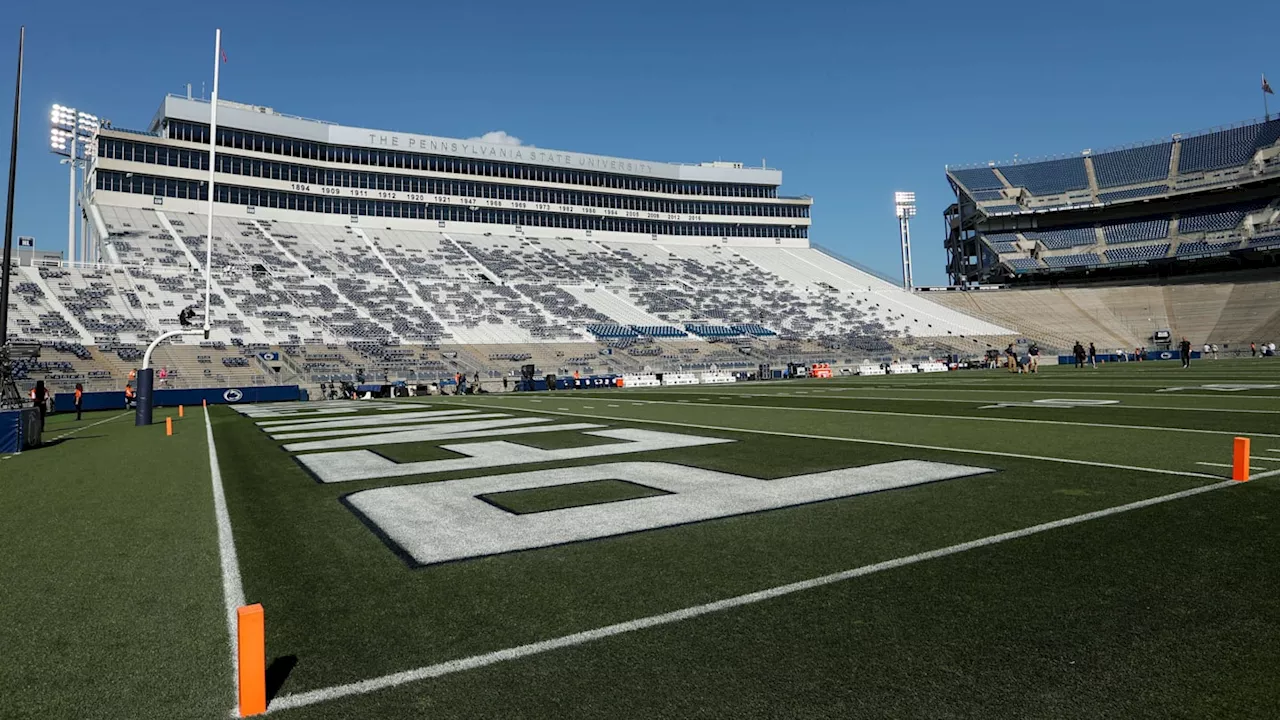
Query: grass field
x=970, y=544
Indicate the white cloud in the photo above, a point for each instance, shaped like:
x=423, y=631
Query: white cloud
x=498, y=137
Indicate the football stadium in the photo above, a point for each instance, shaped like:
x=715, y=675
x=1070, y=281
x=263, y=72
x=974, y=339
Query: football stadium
x=324, y=421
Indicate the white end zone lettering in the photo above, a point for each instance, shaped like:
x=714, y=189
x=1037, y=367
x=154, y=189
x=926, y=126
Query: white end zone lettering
x=1061, y=403
x=334, y=467
x=439, y=522
x=1221, y=387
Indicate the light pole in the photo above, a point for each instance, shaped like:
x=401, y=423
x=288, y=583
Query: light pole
x=73, y=135
x=904, y=204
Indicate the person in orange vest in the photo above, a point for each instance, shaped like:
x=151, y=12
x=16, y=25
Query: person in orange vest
x=39, y=396
x=133, y=375
x=79, y=398
x=128, y=396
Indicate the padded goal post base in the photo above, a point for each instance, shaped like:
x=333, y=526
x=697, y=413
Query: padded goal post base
x=20, y=430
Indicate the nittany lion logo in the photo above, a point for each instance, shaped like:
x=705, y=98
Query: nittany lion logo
x=233, y=395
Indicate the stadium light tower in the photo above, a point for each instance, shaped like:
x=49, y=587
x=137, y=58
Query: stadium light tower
x=73, y=135
x=904, y=204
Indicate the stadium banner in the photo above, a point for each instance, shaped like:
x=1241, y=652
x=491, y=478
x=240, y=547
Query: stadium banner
x=114, y=400
x=19, y=430
x=592, y=382
x=1131, y=357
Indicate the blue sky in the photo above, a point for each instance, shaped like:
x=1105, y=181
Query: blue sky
x=852, y=100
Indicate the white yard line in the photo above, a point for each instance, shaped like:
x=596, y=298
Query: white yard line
x=890, y=443
x=312, y=697
x=968, y=418
x=232, y=588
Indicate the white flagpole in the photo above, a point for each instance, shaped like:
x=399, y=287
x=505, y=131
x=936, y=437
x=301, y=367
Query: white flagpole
x=213, y=144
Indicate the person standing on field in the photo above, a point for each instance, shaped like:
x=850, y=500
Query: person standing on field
x=1185, y=347
x=1033, y=353
x=79, y=398
x=1093, y=356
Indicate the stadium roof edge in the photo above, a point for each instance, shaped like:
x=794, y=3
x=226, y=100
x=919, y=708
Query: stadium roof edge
x=1115, y=148
x=267, y=119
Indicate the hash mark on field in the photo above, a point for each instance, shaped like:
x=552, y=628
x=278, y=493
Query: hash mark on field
x=613, y=406
x=1226, y=465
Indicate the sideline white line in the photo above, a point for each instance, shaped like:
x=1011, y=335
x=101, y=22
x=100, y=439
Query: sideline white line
x=86, y=427
x=890, y=443
x=232, y=588
x=312, y=697
x=73, y=432
x=966, y=418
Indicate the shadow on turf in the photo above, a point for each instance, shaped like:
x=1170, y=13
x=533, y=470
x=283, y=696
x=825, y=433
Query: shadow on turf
x=53, y=443
x=277, y=672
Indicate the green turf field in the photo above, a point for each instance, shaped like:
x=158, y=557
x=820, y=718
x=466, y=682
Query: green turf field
x=970, y=544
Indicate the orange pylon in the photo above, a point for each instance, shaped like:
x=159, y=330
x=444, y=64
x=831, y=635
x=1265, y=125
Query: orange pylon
x=251, y=650
x=1240, y=460
x=181, y=411
x=168, y=426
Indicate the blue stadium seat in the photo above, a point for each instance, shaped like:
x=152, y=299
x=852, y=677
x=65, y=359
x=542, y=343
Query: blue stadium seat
x=1137, y=253
x=1050, y=177
x=659, y=331
x=753, y=329
x=1200, y=247
x=712, y=331
x=1068, y=237
x=993, y=209
x=1151, y=229
x=978, y=179
x=1226, y=148
x=1021, y=265
x=1225, y=218
x=1133, y=165
x=986, y=195
x=1062, y=261
x=611, y=331
x=1132, y=193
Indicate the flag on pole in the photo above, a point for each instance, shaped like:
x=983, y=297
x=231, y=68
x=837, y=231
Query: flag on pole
x=224, y=59
x=1266, y=86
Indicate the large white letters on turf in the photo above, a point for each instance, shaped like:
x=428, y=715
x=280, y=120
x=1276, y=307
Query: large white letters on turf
x=442, y=521
x=333, y=467
x=1054, y=403
x=1222, y=387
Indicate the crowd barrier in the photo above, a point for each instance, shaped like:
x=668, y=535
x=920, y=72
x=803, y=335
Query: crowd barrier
x=114, y=400
x=1129, y=357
